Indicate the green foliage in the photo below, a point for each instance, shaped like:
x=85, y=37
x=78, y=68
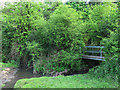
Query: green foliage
x=111, y=44
x=59, y=62
x=50, y=7
x=20, y=19
x=103, y=18
x=9, y=64
x=50, y=35
x=80, y=6
x=109, y=68
x=59, y=42
x=64, y=33
x=3, y=85
x=99, y=19
x=35, y=51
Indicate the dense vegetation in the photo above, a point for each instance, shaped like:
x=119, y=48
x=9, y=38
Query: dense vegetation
x=47, y=36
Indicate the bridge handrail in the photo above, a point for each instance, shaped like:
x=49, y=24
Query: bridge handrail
x=98, y=51
x=94, y=46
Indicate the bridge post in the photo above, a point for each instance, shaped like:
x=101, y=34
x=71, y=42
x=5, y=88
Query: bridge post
x=100, y=51
x=92, y=50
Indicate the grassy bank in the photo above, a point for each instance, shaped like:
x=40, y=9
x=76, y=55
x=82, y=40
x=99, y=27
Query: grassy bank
x=7, y=65
x=76, y=81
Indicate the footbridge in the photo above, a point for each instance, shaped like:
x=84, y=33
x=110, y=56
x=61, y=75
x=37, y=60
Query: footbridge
x=94, y=53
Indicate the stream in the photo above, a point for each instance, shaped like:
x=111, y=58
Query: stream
x=23, y=73
x=20, y=74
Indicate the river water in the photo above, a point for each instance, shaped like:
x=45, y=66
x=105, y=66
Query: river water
x=21, y=74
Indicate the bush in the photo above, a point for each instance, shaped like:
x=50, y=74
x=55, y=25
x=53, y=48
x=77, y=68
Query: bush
x=62, y=28
x=60, y=42
x=59, y=62
x=101, y=20
x=109, y=68
x=20, y=20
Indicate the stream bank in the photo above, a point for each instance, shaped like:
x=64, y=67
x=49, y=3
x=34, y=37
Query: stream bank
x=6, y=75
x=12, y=75
x=20, y=74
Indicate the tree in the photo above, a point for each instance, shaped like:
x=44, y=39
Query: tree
x=59, y=42
x=50, y=7
x=103, y=18
x=20, y=19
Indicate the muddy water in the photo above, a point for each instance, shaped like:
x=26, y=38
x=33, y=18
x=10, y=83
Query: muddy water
x=21, y=73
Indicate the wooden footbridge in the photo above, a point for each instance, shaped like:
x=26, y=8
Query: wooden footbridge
x=94, y=53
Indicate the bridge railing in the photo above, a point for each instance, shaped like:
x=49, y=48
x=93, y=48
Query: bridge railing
x=93, y=50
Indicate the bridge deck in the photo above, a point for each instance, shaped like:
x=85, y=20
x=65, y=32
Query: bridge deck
x=93, y=57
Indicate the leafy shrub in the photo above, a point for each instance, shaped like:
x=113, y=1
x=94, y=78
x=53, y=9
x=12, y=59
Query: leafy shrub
x=12, y=63
x=60, y=42
x=20, y=20
x=68, y=60
x=59, y=62
x=109, y=68
x=51, y=41
x=62, y=28
x=101, y=20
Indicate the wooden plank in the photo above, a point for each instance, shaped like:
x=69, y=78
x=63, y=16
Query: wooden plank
x=95, y=47
x=95, y=51
x=95, y=57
